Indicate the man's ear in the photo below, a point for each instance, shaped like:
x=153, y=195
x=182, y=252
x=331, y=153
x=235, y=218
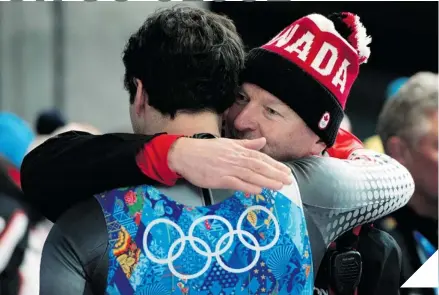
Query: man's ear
x=397, y=148
x=140, y=99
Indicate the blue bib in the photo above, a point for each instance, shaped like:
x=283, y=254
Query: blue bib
x=247, y=244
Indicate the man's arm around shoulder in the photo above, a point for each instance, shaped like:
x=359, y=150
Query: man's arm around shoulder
x=68, y=168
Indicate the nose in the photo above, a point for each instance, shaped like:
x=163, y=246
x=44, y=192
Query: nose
x=246, y=119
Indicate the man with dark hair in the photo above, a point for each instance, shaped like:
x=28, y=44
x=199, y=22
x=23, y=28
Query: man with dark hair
x=287, y=267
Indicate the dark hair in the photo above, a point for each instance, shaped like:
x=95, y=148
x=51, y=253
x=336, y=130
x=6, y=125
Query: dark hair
x=188, y=59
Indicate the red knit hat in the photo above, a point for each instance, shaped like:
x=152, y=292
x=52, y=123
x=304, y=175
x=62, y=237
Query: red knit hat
x=311, y=65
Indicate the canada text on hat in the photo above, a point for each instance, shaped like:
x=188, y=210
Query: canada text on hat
x=314, y=44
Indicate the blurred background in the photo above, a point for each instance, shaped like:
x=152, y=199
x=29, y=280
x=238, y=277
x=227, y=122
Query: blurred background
x=68, y=55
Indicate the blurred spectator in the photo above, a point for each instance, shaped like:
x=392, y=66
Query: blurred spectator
x=21, y=266
x=394, y=86
x=46, y=124
x=23, y=231
x=14, y=230
x=15, y=137
x=374, y=142
x=408, y=127
x=48, y=121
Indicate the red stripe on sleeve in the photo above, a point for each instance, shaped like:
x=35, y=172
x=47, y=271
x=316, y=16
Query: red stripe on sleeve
x=153, y=159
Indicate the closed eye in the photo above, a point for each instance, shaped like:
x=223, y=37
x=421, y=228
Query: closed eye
x=271, y=112
x=241, y=98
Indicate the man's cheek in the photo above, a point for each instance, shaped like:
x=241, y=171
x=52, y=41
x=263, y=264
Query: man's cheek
x=231, y=113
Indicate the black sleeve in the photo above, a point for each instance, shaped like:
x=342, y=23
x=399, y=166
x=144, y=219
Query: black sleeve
x=14, y=230
x=74, y=260
x=72, y=166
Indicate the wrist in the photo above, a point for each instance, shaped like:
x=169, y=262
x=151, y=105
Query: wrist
x=174, y=154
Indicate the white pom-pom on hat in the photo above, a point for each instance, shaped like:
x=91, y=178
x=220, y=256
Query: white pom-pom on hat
x=358, y=38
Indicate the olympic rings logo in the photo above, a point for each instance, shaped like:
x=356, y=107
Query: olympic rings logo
x=207, y=251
